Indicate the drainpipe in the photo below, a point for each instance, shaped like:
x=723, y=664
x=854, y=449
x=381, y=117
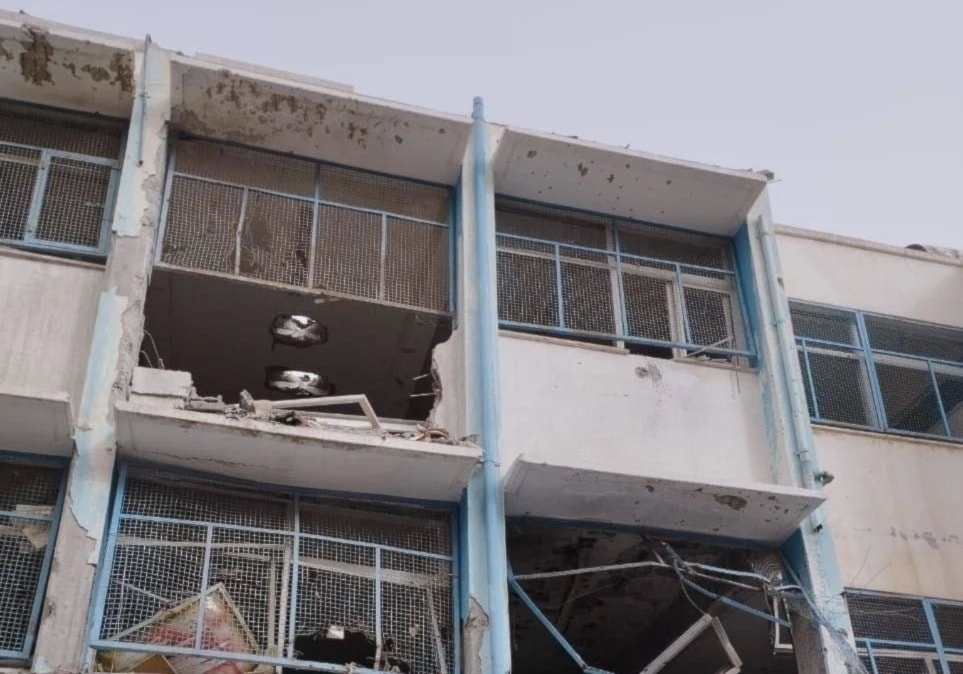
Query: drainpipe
x=487, y=352
x=802, y=435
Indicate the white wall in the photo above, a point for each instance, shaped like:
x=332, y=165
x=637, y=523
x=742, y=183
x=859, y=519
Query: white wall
x=48, y=307
x=861, y=275
x=610, y=411
x=895, y=512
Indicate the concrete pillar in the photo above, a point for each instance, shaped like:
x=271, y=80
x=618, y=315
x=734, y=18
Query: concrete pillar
x=822, y=634
x=113, y=356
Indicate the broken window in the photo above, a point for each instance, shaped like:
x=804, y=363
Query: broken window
x=202, y=575
x=31, y=495
x=898, y=634
x=880, y=372
x=612, y=601
x=361, y=258
x=592, y=277
x=58, y=177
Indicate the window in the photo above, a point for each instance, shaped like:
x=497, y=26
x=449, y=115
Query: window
x=31, y=495
x=900, y=634
x=300, y=223
x=212, y=575
x=880, y=372
x=594, y=277
x=58, y=175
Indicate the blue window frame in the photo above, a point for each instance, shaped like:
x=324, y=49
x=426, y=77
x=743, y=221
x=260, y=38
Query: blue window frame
x=596, y=277
x=899, y=633
x=58, y=177
x=879, y=372
x=274, y=570
x=31, y=498
x=307, y=224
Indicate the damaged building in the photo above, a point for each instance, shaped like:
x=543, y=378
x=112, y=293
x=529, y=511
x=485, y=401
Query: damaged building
x=297, y=379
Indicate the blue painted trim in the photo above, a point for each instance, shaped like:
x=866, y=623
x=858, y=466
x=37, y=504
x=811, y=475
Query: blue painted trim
x=107, y=563
x=546, y=623
x=457, y=580
x=488, y=389
x=454, y=239
x=295, y=575
x=809, y=380
x=559, y=289
x=871, y=371
x=26, y=458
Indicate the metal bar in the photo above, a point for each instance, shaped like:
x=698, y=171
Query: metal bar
x=28, y=515
x=165, y=204
x=591, y=569
x=383, y=256
x=939, y=399
x=42, y=245
x=872, y=658
x=295, y=573
x=205, y=581
x=677, y=646
x=360, y=398
x=742, y=300
x=110, y=547
x=230, y=656
x=315, y=224
x=871, y=371
x=546, y=623
x=809, y=380
x=41, y=588
x=627, y=338
x=559, y=291
x=909, y=356
x=621, y=308
x=301, y=197
x=61, y=154
x=454, y=201
x=36, y=200
x=440, y=654
x=103, y=239
x=238, y=234
x=456, y=584
x=379, y=642
x=680, y=302
x=935, y=633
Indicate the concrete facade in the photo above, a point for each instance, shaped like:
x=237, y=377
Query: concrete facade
x=682, y=442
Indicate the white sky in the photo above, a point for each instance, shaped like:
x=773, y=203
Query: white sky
x=857, y=105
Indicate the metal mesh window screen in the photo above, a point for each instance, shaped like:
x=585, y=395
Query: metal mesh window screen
x=56, y=180
x=29, y=496
x=907, y=634
x=577, y=273
x=920, y=392
x=261, y=574
x=257, y=214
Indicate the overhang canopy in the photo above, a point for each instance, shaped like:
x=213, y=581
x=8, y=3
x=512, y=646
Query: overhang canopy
x=754, y=512
x=49, y=64
x=259, y=108
x=40, y=423
x=593, y=177
x=338, y=460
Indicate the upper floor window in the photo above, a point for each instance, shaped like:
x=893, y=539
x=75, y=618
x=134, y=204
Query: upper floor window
x=880, y=372
x=660, y=292
x=31, y=495
x=302, y=223
x=896, y=634
x=58, y=177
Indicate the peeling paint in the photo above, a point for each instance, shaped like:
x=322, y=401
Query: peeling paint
x=474, y=631
x=35, y=59
x=5, y=53
x=96, y=73
x=123, y=70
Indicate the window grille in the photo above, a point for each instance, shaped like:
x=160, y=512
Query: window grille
x=596, y=277
x=301, y=223
x=880, y=372
x=904, y=635
x=31, y=495
x=58, y=176
x=275, y=571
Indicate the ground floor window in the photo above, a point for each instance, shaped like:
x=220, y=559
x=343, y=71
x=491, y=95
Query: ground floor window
x=204, y=575
x=31, y=497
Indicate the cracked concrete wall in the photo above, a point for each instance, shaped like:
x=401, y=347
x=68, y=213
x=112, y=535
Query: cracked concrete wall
x=114, y=354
